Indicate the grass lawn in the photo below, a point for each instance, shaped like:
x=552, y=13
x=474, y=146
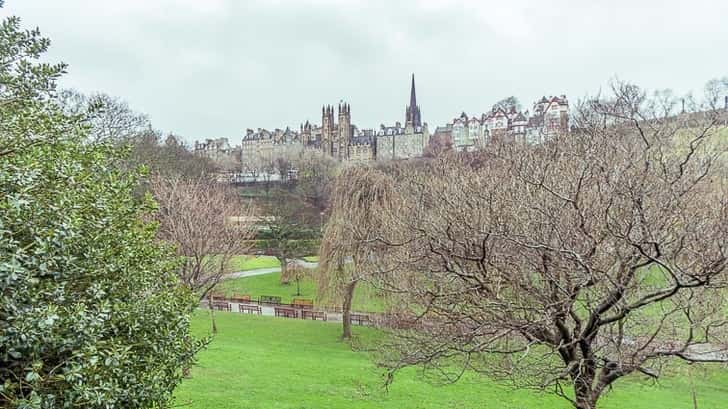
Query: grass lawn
x=269, y=284
x=265, y=363
x=244, y=263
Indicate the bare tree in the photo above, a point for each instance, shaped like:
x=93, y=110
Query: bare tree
x=111, y=119
x=360, y=196
x=507, y=103
x=316, y=173
x=287, y=228
x=207, y=224
x=439, y=144
x=568, y=265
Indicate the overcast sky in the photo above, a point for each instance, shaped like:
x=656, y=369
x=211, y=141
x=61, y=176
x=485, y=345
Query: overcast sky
x=211, y=68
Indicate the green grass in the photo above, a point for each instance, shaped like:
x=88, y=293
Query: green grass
x=244, y=263
x=365, y=298
x=265, y=363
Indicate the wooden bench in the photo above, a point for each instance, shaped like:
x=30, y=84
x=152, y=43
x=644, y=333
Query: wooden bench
x=359, y=319
x=269, y=299
x=240, y=298
x=286, y=312
x=302, y=303
x=250, y=309
x=331, y=307
x=221, y=306
x=216, y=297
x=313, y=315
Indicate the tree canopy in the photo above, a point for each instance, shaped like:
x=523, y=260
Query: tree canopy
x=91, y=311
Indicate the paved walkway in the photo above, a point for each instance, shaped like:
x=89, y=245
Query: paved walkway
x=268, y=310
x=261, y=271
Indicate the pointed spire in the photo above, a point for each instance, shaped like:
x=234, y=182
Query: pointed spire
x=413, y=115
x=413, y=95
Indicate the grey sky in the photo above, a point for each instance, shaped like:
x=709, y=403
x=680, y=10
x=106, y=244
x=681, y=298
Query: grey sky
x=210, y=68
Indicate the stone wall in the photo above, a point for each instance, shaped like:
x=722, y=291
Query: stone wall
x=403, y=146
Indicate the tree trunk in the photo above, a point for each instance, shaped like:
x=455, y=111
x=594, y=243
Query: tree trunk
x=346, y=309
x=284, y=270
x=298, y=286
x=212, y=316
x=584, y=398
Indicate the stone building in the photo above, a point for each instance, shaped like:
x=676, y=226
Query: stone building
x=219, y=151
x=339, y=138
x=550, y=116
x=406, y=142
x=260, y=149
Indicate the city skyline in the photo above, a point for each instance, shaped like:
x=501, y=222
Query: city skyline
x=212, y=69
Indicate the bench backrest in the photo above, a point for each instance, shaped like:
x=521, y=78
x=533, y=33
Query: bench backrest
x=302, y=303
x=240, y=298
x=286, y=312
x=223, y=306
x=269, y=299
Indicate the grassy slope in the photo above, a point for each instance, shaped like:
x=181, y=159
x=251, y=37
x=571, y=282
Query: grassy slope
x=265, y=363
x=269, y=284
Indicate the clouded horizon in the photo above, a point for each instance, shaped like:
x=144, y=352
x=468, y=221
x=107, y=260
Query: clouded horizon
x=212, y=68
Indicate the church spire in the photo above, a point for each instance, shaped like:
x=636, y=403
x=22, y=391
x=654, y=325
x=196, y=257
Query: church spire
x=413, y=95
x=413, y=116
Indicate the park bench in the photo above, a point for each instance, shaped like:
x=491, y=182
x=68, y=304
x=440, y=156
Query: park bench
x=249, y=309
x=359, y=319
x=217, y=297
x=221, y=306
x=313, y=315
x=302, y=303
x=240, y=298
x=285, y=312
x=331, y=307
x=269, y=299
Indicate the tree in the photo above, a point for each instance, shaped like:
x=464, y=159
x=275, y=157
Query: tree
x=316, y=174
x=91, y=312
x=110, y=118
x=439, y=144
x=286, y=228
x=207, y=225
x=507, y=103
x=360, y=196
x=167, y=156
x=568, y=265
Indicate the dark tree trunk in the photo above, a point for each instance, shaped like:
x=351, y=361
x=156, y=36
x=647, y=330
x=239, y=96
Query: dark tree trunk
x=583, y=378
x=212, y=315
x=346, y=309
x=284, y=270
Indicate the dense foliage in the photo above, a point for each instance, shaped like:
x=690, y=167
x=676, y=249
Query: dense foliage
x=91, y=313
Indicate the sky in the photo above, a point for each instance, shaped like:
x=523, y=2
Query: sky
x=212, y=68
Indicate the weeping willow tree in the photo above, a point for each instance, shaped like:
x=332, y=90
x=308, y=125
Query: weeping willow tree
x=360, y=199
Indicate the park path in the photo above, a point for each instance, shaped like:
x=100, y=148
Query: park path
x=268, y=270
x=269, y=310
